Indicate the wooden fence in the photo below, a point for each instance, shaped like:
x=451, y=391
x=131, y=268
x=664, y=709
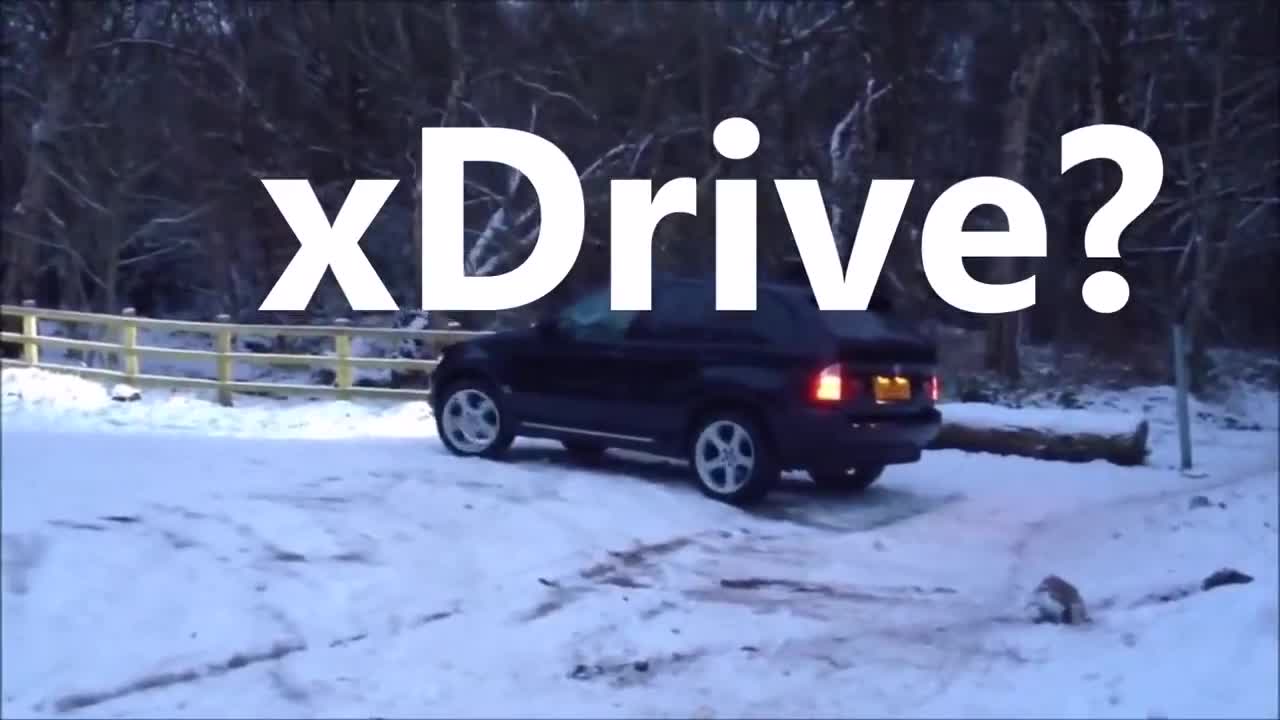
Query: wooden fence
x=129, y=353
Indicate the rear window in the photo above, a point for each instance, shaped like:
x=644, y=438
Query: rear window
x=872, y=323
x=855, y=325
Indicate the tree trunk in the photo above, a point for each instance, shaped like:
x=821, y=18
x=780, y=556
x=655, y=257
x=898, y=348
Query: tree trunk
x=1120, y=448
x=457, y=88
x=29, y=221
x=1003, y=330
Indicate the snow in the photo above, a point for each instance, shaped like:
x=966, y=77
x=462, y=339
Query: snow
x=171, y=557
x=72, y=403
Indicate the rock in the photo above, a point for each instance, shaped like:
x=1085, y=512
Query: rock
x=1057, y=601
x=125, y=393
x=641, y=666
x=1225, y=576
x=1199, y=501
x=1232, y=423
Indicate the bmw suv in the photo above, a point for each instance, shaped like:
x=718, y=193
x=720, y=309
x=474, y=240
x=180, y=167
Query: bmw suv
x=741, y=395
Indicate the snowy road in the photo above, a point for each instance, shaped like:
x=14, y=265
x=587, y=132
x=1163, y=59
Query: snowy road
x=151, y=569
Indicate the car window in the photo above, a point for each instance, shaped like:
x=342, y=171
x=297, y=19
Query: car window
x=680, y=312
x=772, y=322
x=591, y=320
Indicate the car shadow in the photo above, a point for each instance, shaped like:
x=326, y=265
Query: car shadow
x=796, y=500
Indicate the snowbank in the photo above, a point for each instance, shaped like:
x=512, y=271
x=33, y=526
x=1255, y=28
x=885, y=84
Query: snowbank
x=79, y=404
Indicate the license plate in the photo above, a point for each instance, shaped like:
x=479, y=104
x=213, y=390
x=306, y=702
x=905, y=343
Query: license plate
x=891, y=389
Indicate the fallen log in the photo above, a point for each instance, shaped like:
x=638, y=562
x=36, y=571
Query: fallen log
x=1043, y=434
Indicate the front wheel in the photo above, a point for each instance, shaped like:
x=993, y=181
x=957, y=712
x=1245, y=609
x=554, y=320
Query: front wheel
x=471, y=422
x=854, y=480
x=732, y=460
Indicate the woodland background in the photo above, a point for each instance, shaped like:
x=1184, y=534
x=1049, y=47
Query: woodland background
x=134, y=135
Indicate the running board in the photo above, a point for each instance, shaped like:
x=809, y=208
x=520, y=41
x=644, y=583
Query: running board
x=591, y=433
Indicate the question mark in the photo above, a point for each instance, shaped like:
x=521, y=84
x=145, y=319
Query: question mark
x=1142, y=174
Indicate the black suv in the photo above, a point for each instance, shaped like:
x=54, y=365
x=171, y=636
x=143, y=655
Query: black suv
x=741, y=395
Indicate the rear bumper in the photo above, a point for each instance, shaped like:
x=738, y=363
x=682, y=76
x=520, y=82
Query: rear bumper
x=830, y=440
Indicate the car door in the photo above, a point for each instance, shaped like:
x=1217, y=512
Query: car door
x=659, y=368
x=564, y=376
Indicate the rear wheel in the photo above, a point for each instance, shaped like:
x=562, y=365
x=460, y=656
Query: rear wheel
x=471, y=422
x=854, y=480
x=732, y=460
x=583, y=450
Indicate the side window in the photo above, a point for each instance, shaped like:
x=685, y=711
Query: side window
x=776, y=320
x=773, y=322
x=591, y=320
x=680, y=313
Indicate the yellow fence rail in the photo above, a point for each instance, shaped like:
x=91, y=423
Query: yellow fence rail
x=129, y=353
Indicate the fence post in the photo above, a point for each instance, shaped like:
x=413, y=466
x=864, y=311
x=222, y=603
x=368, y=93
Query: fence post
x=30, y=329
x=129, y=341
x=342, y=344
x=222, y=342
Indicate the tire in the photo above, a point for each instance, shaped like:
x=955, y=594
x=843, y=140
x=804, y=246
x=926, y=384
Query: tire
x=856, y=480
x=753, y=468
x=487, y=433
x=584, y=450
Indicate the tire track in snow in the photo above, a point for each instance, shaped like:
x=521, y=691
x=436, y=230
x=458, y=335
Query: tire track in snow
x=237, y=661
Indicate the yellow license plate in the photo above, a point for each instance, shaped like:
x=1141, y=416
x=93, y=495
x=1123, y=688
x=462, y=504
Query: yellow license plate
x=891, y=389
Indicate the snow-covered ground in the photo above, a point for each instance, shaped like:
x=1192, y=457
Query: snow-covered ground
x=170, y=557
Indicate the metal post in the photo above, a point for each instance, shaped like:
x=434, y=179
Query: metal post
x=1183, y=383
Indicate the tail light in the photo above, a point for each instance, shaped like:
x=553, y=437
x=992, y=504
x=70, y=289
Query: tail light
x=935, y=388
x=828, y=386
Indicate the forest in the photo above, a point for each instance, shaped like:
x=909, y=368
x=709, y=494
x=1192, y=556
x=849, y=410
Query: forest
x=135, y=136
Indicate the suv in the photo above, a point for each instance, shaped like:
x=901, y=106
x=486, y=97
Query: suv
x=741, y=395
